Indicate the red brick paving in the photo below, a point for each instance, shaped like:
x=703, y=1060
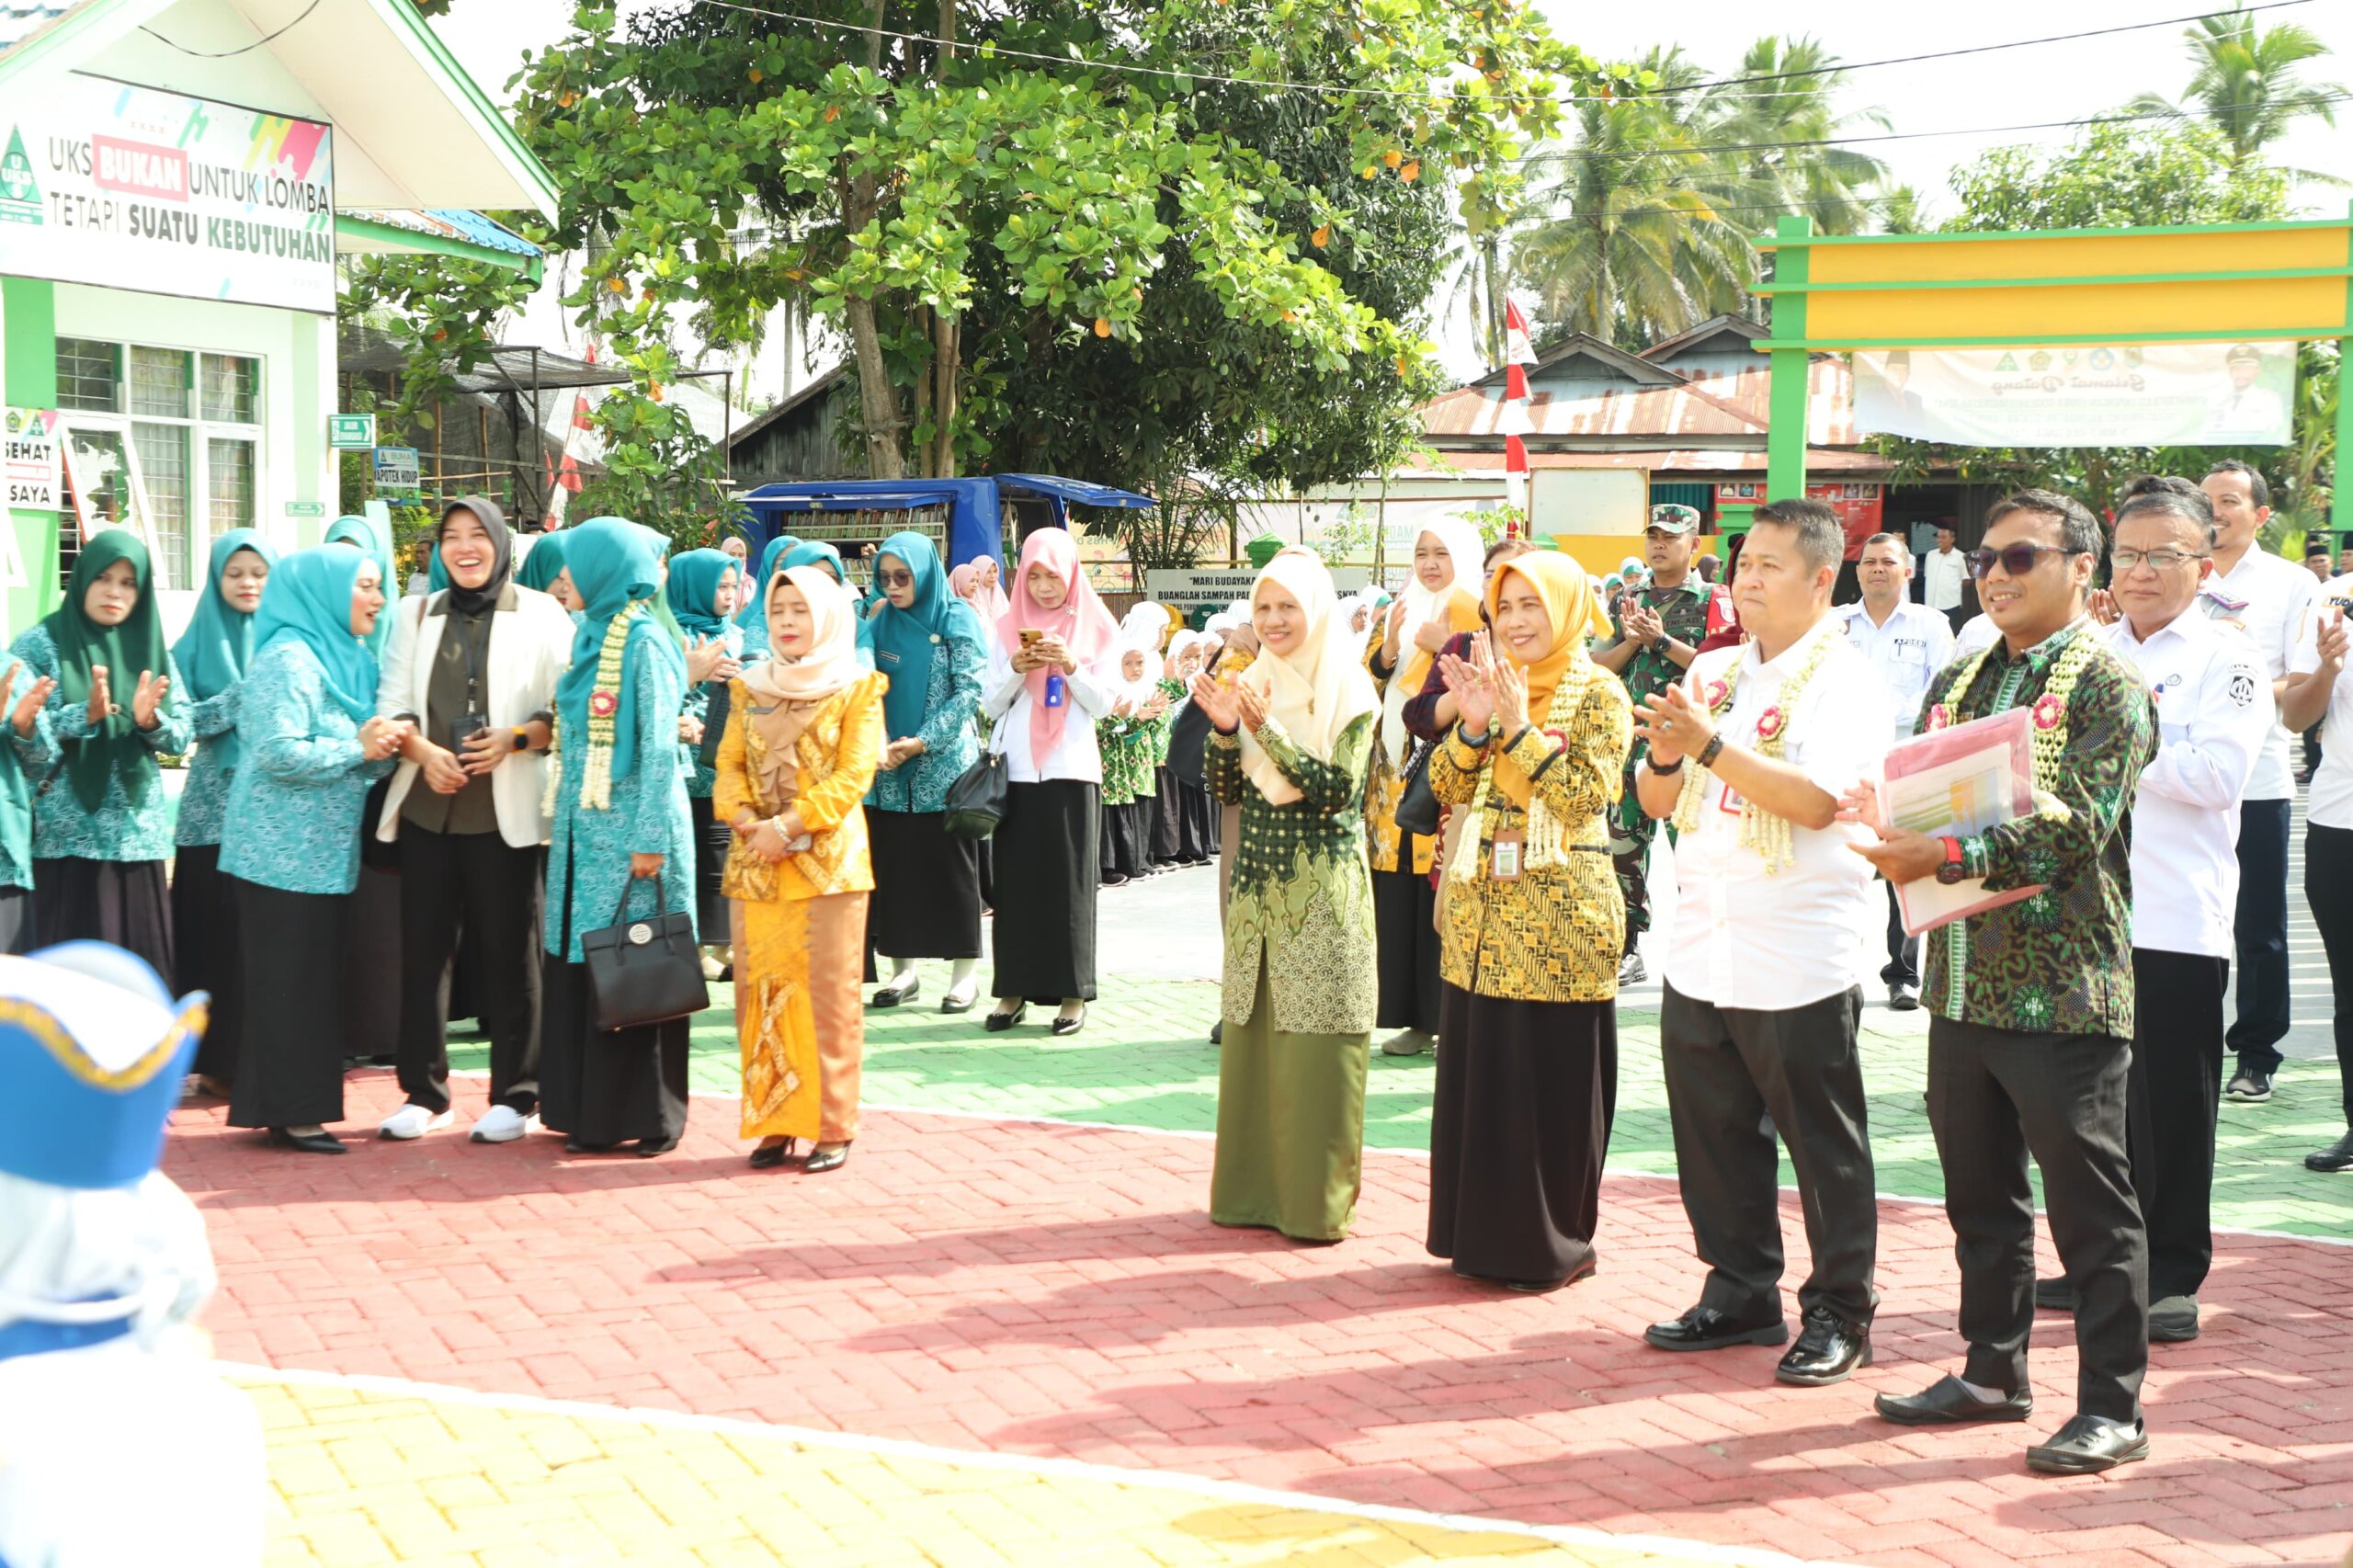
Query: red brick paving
x=1058, y=1291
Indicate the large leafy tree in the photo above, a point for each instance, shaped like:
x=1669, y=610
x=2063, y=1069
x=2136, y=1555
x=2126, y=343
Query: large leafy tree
x=2250, y=83
x=1009, y=237
x=2124, y=176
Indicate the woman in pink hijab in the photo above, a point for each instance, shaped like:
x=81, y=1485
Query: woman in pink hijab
x=1044, y=691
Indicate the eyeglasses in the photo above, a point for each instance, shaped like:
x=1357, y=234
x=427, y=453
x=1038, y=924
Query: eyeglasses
x=895, y=579
x=2163, y=559
x=2018, y=559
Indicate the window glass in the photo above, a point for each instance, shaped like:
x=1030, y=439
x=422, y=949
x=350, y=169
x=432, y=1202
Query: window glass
x=233, y=389
x=228, y=466
x=159, y=383
x=164, y=467
x=89, y=375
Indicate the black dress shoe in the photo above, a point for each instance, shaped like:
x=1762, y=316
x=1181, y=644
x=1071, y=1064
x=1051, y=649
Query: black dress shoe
x=574, y=1146
x=997, y=1023
x=769, y=1156
x=952, y=1003
x=819, y=1163
x=2087, y=1445
x=2173, y=1320
x=1217, y=1032
x=309, y=1142
x=1070, y=1025
x=646, y=1148
x=1946, y=1404
x=2054, y=1295
x=887, y=998
x=2338, y=1156
x=1704, y=1328
x=1828, y=1350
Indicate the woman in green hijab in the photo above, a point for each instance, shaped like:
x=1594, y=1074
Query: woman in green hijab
x=102, y=827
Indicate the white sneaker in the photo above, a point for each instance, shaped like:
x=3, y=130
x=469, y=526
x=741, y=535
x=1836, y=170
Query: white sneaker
x=411, y=1121
x=503, y=1124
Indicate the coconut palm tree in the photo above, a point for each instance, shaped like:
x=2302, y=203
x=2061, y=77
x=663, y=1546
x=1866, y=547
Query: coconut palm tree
x=2249, y=83
x=1622, y=238
x=1772, y=121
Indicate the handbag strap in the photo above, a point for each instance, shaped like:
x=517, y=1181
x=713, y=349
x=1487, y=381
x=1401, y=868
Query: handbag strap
x=660, y=903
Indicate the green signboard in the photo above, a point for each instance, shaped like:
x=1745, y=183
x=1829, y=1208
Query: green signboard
x=306, y=508
x=351, y=432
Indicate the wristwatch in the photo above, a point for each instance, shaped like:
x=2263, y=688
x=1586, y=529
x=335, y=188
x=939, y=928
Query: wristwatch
x=1661, y=644
x=1952, y=870
x=522, y=738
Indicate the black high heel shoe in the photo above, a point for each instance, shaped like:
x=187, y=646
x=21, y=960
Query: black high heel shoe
x=819, y=1163
x=769, y=1156
x=997, y=1023
x=309, y=1142
x=1070, y=1025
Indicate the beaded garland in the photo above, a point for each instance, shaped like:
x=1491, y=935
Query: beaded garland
x=1759, y=829
x=2050, y=710
x=604, y=704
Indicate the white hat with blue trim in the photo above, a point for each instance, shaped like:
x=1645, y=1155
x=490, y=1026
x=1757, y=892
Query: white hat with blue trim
x=93, y=1048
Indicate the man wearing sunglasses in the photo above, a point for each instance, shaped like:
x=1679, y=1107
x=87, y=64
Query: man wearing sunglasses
x=2030, y=1040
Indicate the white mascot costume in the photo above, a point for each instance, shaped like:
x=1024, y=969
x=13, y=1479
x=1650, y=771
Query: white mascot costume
x=119, y=1442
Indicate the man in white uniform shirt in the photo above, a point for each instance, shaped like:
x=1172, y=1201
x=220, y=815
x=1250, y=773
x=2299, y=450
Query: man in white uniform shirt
x=2270, y=599
x=1749, y=755
x=2213, y=715
x=1944, y=572
x=1908, y=644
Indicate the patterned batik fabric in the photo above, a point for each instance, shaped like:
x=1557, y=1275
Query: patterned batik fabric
x=1683, y=612
x=2061, y=961
x=1554, y=933
x=1130, y=752
x=1301, y=900
x=121, y=829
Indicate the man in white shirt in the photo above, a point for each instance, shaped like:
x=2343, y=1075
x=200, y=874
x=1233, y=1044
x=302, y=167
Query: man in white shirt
x=2270, y=599
x=2213, y=715
x=1906, y=644
x=1749, y=755
x=1944, y=572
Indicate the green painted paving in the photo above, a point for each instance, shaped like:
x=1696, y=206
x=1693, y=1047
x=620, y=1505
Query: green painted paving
x=1145, y=1061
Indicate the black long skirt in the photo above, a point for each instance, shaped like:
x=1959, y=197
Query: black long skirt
x=1048, y=857
x=15, y=920
x=1519, y=1130
x=1404, y=909
x=1168, y=820
x=371, y=1013
x=1202, y=822
x=295, y=951
x=1126, y=837
x=711, y=838
x=926, y=902
x=127, y=902
x=204, y=918
x=602, y=1088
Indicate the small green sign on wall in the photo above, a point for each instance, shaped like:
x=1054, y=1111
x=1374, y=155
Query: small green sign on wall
x=351, y=432
x=306, y=508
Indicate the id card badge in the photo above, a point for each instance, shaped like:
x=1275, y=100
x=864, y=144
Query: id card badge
x=1504, y=856
x=1730, y=805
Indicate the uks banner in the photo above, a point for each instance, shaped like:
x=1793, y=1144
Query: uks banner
x=129, y=188
x=2173, y=395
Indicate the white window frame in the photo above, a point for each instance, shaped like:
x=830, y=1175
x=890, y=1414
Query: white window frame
x=189, y=574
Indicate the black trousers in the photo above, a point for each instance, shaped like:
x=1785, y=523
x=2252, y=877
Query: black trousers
x=2176, y=1089
x=204, y=929
x=478, y=889
x=1727, y=1070
x=1996, y=1096
x=1903, y=966
x=2262, y=926
x=295, y=959
x=2328, y=888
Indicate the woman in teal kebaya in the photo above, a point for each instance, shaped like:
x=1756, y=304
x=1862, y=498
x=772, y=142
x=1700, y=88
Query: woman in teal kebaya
x=102, y=828
x=621, y=845
x=310, y=744
x=212, y=654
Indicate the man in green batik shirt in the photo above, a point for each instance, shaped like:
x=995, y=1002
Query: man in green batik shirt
x=2030, y=1039
x=1659, y=628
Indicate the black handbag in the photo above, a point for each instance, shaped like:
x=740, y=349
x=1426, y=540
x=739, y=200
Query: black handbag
x=644, y=971
x=1417, y=809
x=976, y=801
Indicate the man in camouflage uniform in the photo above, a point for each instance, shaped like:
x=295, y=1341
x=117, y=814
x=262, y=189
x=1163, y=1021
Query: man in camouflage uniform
x=1659, y=628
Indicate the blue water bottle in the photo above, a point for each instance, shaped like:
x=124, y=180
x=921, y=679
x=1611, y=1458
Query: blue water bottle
x=1053, y=689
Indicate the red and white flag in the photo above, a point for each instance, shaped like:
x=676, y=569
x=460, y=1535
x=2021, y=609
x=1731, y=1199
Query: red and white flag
x=564, y=482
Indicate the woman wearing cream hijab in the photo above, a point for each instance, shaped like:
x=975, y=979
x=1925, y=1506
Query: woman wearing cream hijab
x=1290, y=743
x=1533, y=925
x=1439, y=601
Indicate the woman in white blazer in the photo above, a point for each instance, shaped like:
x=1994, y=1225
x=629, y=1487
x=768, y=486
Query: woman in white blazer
x=473, y=670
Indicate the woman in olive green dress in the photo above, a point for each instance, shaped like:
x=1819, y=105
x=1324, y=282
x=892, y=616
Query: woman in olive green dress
x=1289, y=745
